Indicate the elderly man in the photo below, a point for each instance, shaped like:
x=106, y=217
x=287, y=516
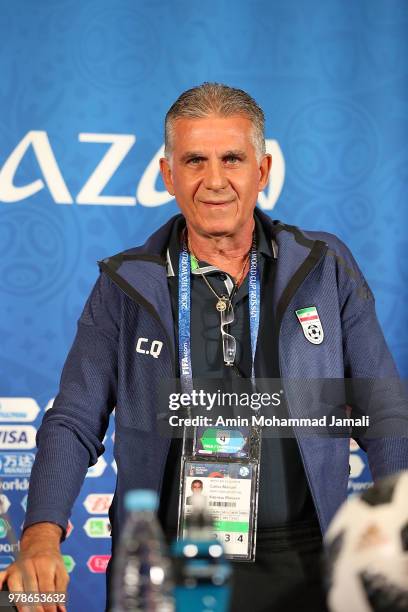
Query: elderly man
x=129, y=334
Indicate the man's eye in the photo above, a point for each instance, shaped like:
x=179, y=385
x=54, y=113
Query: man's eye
x=194, y=161
x=231, y=159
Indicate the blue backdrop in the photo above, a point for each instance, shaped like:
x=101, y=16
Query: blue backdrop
x=83, y=92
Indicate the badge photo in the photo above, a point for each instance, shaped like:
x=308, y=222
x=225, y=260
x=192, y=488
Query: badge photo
x=311, y=324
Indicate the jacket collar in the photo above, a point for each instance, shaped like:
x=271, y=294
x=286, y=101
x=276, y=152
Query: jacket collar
x=296, y=255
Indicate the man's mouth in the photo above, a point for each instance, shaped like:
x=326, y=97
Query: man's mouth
x=216, y=203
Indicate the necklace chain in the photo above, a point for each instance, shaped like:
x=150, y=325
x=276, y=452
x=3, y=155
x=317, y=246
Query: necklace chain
x=223, y=301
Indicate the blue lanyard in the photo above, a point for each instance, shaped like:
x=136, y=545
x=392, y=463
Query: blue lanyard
x=184, y=313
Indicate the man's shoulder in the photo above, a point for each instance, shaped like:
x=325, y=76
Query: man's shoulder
x=335, y=246
x=311, y=236
x=348, y=272
x=335, y=249
x=302, y=236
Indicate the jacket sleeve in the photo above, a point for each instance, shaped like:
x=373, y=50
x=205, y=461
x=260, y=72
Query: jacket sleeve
x=70, y=437
x=377, y=389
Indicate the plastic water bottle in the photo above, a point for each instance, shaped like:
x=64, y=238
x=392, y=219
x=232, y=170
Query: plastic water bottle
x=202, y=574
x=142, y=577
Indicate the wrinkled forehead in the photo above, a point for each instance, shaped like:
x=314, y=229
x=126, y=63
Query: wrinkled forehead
x=213, y=132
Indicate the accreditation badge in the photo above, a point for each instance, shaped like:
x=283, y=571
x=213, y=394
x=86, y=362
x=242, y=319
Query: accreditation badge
x=229, y=491
x=221, y=465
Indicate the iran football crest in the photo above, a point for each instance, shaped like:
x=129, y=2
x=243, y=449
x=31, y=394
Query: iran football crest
x=311, y=324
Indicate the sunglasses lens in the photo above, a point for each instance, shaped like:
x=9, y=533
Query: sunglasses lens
x=229, y=347
x=228, y=342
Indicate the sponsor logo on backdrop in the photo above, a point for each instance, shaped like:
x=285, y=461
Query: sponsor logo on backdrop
x=98, y=503
x=5, y=561
x=98, y=527
x=9, y=548
x=18, y=409
x=357, y=466
x=98, y=469
x=355, y=486
x=51, y=174
x=4, y=528
x=16, y=464
x=17, y=437
x=4, y=504
x=98, y=563
x=18, y=484
x=69, y=563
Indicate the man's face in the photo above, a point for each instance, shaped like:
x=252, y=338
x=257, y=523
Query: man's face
x=197, y=487
x=214, y=173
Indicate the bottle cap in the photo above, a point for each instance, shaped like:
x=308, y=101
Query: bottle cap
x=141, y=499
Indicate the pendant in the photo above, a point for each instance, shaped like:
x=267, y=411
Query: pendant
x=221, y=305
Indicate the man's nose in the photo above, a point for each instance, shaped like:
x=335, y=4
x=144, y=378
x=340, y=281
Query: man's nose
x=215, y=177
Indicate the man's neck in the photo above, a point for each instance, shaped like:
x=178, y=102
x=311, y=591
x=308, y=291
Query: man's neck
x=228, y=253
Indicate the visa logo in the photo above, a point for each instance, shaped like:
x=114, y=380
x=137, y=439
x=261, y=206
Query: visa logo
x=17, y=436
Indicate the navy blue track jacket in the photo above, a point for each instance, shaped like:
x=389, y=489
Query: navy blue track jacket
x=130, y=300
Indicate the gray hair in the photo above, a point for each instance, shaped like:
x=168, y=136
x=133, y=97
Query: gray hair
x=215, y=99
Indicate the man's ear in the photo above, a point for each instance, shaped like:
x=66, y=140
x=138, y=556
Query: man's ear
x=165, y=170
x=264, y=170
